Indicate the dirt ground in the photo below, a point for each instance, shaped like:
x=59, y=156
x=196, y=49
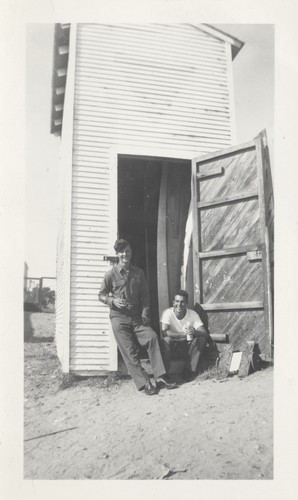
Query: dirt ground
x=102, y=428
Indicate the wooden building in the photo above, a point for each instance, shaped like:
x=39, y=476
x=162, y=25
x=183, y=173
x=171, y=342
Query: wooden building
x=138, y=108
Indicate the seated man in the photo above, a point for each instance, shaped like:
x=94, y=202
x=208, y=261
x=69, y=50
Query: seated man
x=183, y=334
x=125, y=290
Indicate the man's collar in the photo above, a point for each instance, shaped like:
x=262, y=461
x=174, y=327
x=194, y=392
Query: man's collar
x=177, y=317
x=122, y=268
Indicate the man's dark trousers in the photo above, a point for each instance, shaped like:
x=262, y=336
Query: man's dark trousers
x=189, y=351
x=129, y=331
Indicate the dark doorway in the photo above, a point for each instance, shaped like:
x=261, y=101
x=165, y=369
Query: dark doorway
x=139, y=192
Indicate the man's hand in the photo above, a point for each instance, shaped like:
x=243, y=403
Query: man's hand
x=146, y=320
x=189, y=329
x=120, y=303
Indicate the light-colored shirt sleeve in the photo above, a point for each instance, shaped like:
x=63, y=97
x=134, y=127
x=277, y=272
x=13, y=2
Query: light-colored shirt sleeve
x=196, y=320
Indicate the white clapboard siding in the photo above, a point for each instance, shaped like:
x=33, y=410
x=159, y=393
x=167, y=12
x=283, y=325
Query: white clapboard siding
x=60, y=290
x=145, y=86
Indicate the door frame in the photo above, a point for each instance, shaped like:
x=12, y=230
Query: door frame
x=127, y=150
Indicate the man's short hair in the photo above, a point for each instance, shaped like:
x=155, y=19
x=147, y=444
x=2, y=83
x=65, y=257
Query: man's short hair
x=120, y=245
x=183, y=293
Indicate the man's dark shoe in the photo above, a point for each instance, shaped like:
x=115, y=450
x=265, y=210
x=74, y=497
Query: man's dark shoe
x=149, y=389
x=188, y=376
x=165, y=382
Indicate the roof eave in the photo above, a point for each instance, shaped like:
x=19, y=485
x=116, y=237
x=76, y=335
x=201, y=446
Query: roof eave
x=60, y=62
x=236, y=44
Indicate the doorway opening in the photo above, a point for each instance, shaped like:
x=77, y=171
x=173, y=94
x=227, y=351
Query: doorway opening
x=153, y=203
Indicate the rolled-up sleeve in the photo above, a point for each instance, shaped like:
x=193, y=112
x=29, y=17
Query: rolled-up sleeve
x=105, y=292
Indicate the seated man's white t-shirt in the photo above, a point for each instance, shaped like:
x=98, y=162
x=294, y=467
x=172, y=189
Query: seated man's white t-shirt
x=176, y=325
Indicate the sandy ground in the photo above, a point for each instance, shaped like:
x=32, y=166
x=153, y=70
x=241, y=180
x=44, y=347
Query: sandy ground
x=205, y=429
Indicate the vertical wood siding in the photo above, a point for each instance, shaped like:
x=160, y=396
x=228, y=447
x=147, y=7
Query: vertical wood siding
x=151, y=86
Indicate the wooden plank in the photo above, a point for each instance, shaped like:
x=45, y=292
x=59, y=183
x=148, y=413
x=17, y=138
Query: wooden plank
x=240, y=174
x=197, y=247
x=162, y=270
x=89, y=349
x=219, y=337
x=92, y=367
x=88, y=261
x=237, y=306
x=134, y=59
x=86, y=307
x=82, y=185
x=85, y=339
x=167, y=39
x=87, y=343
x=196, y=81
x=177, y=201
x=184, y=105
x=170, y=144
x=227, y=200
x=240, y=326
x=83, y=293
x=149, y=121
x=211, y=172
x=231, y=279
x=265, y=242
x=95, y=317
x=164, y=36
x=225, y=152
x=136, y=63
x=216, y=115
x=188, y=46
x=229, y=251
x=134, y=130
x=89, y=358
x=254, y=256
x=229, y=226
x=157, y=113
x=92, y=322
x=102, y=372
x=184, y=51
x=90, y=248
x=157, y=32
x=87, y=273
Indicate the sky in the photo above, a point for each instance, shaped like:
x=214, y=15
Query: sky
x=253, y=75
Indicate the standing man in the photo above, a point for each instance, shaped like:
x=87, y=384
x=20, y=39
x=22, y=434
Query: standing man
x=184, y=334
x=124, y=289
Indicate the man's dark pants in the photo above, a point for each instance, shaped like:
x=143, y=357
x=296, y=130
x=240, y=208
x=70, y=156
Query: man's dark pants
x=189, y=351
x=129, y=331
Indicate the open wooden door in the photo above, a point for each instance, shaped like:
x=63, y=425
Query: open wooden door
x=233, y=242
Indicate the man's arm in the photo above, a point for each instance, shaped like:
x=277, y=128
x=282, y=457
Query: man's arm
x=166, y=332
x=105, y=291
x=202, y=330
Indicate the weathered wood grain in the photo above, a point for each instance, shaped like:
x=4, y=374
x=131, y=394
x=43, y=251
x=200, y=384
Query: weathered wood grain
x=231, y=254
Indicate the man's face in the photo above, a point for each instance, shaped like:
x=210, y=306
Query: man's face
x=180, y=305
x=125, y=256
